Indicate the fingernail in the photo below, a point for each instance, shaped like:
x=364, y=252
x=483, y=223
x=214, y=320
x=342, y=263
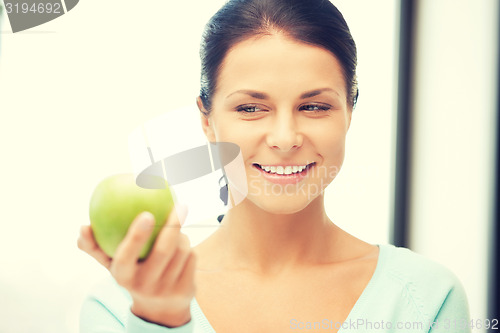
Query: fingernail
x=147, y=221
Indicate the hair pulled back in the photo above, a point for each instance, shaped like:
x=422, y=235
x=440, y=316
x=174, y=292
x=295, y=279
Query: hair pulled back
x=315, y=22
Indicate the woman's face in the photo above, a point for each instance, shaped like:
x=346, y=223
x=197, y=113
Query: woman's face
x=284, y=104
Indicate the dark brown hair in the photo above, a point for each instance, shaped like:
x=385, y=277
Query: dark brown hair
x=315, y=22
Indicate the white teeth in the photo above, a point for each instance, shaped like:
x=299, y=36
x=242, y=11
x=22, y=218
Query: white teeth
x=283, y=170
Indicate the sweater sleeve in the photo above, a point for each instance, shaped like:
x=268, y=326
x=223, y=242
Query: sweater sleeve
x=107, y=310
x=95, y=317
x=453, y=316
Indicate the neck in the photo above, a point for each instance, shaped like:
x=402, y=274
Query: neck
x=269, y=244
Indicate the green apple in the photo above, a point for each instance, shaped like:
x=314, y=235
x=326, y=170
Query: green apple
x=116, y=202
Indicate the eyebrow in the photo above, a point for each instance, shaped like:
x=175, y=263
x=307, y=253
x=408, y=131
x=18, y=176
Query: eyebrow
x=261, y=95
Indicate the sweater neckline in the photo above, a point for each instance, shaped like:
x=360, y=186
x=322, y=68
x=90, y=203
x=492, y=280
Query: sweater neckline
x=357, y=308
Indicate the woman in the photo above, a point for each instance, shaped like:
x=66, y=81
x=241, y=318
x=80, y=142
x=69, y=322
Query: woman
x=278, y=80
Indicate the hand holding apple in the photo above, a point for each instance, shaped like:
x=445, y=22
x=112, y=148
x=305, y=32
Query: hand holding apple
x=162, y=286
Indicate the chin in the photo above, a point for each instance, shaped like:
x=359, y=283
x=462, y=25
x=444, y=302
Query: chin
x=282, y=205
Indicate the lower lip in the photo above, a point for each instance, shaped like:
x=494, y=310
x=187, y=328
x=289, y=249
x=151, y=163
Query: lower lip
x=293, y=178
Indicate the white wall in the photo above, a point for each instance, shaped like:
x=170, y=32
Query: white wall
x=73, y=89
x=360, y=198
x=454, y=111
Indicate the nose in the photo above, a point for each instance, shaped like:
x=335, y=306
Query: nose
x=284, y=134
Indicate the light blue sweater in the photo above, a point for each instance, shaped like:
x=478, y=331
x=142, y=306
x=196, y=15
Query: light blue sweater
x=407, y=293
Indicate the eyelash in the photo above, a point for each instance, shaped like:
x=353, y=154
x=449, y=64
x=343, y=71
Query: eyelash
x=320, y=108
x=243, y=108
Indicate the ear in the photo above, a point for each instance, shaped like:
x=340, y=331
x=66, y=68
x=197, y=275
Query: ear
x=206, y=123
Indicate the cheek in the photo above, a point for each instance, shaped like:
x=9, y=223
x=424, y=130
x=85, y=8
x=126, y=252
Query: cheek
x=243, y=134
x=330, y=144
x=330, y=137
x=220, y=129
x=224, y=131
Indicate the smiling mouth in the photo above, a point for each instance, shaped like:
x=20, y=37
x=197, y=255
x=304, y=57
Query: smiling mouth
x=284, y=170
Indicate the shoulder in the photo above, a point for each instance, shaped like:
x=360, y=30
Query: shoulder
x=408, y=266
x=420, y=285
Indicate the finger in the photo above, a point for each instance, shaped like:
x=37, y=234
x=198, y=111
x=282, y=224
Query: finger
x=185, y=281
x=124, y=264
x=165, y=245
x=86, y=242
x=176, y=265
